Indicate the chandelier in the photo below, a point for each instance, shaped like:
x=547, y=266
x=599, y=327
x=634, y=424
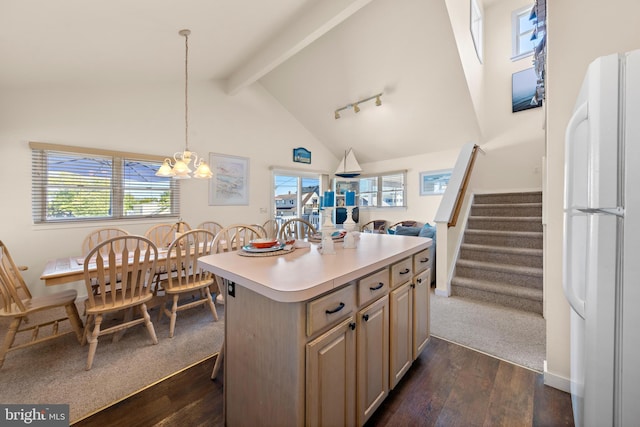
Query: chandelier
x=178, y=167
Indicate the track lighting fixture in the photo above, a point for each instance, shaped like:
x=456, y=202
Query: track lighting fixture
x=356, y=105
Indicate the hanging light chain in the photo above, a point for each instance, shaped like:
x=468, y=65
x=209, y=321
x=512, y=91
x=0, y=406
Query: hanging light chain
x=186, y=33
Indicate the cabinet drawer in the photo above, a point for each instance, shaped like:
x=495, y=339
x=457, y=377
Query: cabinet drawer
x=422, y=260
x=329, y=309
x=373, y=286
x=401, y=272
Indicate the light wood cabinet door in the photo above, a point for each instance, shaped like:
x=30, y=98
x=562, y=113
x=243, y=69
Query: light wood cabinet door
x=373, y=357
x=421, y=332
x=400, y=332
x=331, y=377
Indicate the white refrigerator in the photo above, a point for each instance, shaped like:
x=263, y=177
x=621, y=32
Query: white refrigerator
x=601, y=264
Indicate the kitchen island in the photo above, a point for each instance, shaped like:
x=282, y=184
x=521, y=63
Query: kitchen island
x=314, y=339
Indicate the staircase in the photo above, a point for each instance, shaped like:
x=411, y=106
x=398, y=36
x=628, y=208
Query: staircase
x=500, y=258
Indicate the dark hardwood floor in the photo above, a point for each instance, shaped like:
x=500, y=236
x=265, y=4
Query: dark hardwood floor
x=448, y=385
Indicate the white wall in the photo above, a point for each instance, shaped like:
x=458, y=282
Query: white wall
x=460, y=16
x=140, y=118
x=579, y=32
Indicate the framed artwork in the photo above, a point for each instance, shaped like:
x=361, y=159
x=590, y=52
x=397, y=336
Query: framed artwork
x=301, y=155
x=434, y=182
x=230, y=182
x=523, y=89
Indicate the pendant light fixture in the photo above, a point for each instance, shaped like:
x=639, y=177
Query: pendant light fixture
x=178, y=167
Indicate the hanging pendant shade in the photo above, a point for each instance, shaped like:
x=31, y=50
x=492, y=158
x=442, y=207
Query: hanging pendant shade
x=348, y=167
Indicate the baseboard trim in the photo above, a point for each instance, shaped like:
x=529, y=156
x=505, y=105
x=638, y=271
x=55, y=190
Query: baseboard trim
x=442, y=292
x=556, y=381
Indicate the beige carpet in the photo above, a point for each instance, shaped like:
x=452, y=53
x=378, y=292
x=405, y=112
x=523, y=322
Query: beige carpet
x=509, y=334
x=53, y=372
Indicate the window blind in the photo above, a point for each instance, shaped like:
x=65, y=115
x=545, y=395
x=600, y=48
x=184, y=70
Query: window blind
x=74, y=184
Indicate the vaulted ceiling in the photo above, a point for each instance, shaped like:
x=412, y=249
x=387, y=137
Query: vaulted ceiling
x=312, y=56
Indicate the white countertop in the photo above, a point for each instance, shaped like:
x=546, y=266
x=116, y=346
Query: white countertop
x=306, y=273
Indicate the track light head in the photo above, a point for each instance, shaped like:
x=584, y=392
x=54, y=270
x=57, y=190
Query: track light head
x=336, y=115
x=356, y=108
x=378, y=101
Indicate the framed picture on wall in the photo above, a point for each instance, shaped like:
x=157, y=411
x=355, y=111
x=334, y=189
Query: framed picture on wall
x=434, y=182
x=523, y=89
x=230, y=182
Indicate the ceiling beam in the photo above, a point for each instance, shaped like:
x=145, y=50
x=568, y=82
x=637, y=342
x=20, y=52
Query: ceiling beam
x=316, y=21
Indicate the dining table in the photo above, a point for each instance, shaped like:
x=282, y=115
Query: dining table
x=63, y=270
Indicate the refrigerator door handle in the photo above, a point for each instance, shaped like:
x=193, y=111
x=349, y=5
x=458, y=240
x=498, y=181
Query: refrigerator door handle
x=580, y=115
x=567, y=278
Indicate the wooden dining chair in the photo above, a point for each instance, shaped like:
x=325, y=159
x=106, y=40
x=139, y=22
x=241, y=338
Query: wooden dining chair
x=272, y=227
x=211, y=226
x=133, y=259
x=18, y=304
x=296, y=228
x=95, y=237
x=184, y=252
x=233, y=237
x=261, y=229
x=163, y=234
x=374, y=226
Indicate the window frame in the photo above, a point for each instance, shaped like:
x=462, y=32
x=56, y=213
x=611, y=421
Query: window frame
x=118, y=188
x=516, y=52
x=323, y=181
x=380, y=189
x=476, y=17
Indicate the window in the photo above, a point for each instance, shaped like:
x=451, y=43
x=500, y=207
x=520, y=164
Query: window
x=525, y=36
x=73, y=184
x=296, y=195
x=476, y=28
x=384, y=190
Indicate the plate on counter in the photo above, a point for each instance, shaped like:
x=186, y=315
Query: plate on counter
x=253, y=249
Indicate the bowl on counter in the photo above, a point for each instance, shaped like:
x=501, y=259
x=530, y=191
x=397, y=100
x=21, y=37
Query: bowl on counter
x=263, y=243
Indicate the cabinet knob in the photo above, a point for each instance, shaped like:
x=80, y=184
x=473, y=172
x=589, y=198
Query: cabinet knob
x=419, y=280
x=365, y=317
x=352, y=325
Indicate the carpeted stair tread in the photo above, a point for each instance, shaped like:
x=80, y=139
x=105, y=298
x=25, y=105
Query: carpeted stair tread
x=510, y=205
x=526, y=197
x=503, y=249
x=506, y=218
x=498, y=288
x=505, y=268
x=529, y=234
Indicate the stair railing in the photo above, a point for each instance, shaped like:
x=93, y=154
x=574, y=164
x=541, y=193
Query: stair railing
x=463, y=188
x=453, y=197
